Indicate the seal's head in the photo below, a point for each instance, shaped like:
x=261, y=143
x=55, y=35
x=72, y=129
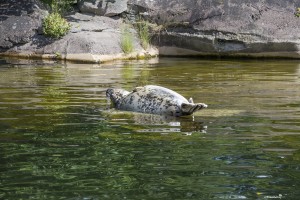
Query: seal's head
x=116, y=95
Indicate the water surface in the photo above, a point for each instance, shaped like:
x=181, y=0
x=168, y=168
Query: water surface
x=60, y=139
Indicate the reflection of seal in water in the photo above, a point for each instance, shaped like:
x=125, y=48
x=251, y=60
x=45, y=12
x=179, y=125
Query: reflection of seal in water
x=154, y=100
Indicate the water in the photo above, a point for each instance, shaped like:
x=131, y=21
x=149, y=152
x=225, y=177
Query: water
x=59, y=138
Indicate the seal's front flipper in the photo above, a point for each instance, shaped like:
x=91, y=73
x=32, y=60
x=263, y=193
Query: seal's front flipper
x=190, y=108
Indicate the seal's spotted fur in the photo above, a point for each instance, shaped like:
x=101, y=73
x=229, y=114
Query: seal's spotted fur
x=153, y=99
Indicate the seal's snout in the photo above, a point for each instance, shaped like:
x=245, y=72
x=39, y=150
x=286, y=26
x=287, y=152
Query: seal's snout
x=109, y=92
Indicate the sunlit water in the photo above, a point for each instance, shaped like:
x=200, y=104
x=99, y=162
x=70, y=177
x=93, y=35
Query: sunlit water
x=59, y=138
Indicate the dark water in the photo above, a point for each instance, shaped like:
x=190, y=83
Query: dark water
x=59, y=139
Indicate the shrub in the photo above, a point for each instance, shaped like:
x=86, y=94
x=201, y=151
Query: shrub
x=297, y=13
x=126, y=40
x=55, y=26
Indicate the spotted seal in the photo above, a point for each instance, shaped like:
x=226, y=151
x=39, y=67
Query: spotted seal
x=154, y=100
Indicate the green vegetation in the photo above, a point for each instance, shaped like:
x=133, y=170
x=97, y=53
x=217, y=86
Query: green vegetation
x=55, y=26
x=59, y=6
x=126, y=40
x=58, y=54
x=144, y=34
x=297, y=13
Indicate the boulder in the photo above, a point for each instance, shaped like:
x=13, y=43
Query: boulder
x=91, y=7
x=260, y=28
x=228, y=27
x=107, y=8
x=20, y=20
x=91, y=38
x=114, y=7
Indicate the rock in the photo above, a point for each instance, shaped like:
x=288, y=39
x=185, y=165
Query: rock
x=115, y=7
x=107, y=8
x=19, y=21
x=92, y=7
x=259, y=28
x=227, y=27
x=89, y=23
x=91, y=38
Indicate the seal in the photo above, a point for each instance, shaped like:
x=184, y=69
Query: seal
x=154, y=100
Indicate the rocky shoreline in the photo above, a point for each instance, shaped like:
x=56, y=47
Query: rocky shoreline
x=229, y=28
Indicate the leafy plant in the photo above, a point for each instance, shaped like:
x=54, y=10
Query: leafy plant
x=297, y=13
x=55, y=26
x=126, y=40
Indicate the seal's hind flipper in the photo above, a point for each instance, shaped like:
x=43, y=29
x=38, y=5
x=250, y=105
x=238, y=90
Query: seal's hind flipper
x=191, y=100
x=190, y=108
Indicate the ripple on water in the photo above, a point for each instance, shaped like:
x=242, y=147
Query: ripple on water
x=60, y=137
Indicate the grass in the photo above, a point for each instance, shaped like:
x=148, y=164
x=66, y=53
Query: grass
x=126, y=40
x=143, y=32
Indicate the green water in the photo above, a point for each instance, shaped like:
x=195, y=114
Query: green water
x=59, y=138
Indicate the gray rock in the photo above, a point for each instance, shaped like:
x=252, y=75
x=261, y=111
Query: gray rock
x=94, y=35
x=91, y=38
x=226, y=27
x=92, y=7
x=84, y=22
x=191, y=27
x=114, y=7
x=19, y=21
x=107, y=8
